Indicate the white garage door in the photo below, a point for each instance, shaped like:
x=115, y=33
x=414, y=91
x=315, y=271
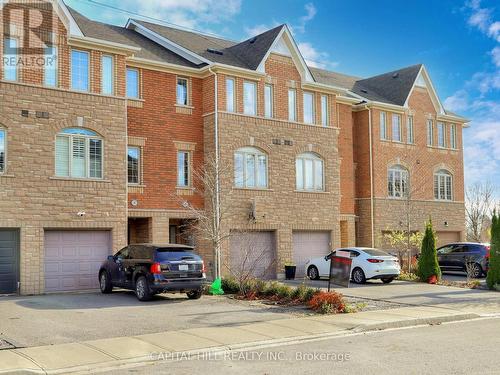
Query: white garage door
x=308, y=245
x=253, y=253
x=443, y=238
x=73, y=258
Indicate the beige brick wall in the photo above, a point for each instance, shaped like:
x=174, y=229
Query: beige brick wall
x=31, y=198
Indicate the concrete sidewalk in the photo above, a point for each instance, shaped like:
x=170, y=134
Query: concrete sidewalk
x=90, y=356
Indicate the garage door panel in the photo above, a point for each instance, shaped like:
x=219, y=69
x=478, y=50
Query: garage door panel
x=253, y=252
x=73, y=258
x=308, y=245
x=443, y=238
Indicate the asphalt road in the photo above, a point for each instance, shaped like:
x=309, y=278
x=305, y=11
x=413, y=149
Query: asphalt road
x=455, y=348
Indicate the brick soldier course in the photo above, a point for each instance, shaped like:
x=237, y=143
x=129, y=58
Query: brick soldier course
x=355, y=161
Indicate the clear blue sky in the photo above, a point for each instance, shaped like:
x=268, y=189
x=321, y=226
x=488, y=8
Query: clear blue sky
x=458, y=41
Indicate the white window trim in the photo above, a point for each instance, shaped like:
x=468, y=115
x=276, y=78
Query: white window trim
x=234, y=95
x=139, y=166
x=254, y=84
x=383, y=126
x=400, y=140
x=188, y=90
x=445, y=174
x=430, y=134
x=314, y=157
x=271, y=101
x=441, y=125
x=189, y=161
x=405, y=176
x=294, y=119
x=112, y=74
x=87, y=156
x=325, y=116
x=56, y=83
x=410, y=130
x=255, y=152
x=17, y=79
x=313, y=112
x=138, y=83
x=71, y=70
x=453, y=137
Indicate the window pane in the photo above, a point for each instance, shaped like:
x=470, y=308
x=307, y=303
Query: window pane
x=318, y=175
x=10, y=59
x=80, y=70
x=383, y=126
x=268, y=101
x=409, y=130
x=442, y=187
x=182, y=91
x=396, y=128
x=404, y=183
x=78, y=158
x=292, y=106
x=50, y=68
x=390, y=183
x=133, y=165
x=308, y=108
x=262, y=171
x=2, y=151
x=107, y=75
x=62, y=156
x=250, y=170
x=436, y=187
x=238, y=170
x=308, y=166
x=249, y=99
x=95, y=156
x=230, y=95
x=132, y=83
x=430, y=133
x=448, y=188
x=299, y=171
x=441, y=140
x=453, y=136
x=183, y=168
x=324, y=110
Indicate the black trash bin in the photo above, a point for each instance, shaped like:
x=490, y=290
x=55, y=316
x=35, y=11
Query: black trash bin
x=290, y=272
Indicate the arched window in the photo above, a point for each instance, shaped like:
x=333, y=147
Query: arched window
x=250, y=168
x=78, y=153
x=309, y=172
x=443, y=185
x=397, y=182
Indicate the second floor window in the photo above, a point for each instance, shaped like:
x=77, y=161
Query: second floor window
x=308, y=108
x=230, y=97
x=410, y=137
x=182, y=91
x=250, y=98
x=79, y=154
x=2, y=150
x=132, y=83
x=441, y=134
x=430, y=133
x=268, y=101
x=397, y=182
x=453, y=136
x=309, y=172
x=133, y=164
x=324, y=110
x=383, y=125
x=107, y=75
x=443, y=185
x=183, y=169
x=10, y=59
x=50, y=67
x=396, y=128
x=250, y=168
x=80, y=70
x=292, y=105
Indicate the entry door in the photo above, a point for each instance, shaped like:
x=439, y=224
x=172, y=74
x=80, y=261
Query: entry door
x=9, y=260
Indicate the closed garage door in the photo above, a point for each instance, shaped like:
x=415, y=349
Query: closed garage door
x=308, y=245
x=253, y=253
x=444, y=238
x=73, y=258
x=9, y=260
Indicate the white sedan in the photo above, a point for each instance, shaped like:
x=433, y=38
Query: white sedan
x=367, y=263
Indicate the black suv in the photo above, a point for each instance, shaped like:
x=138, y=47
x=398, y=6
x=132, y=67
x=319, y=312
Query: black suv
x=151, y=269
x=456, y=257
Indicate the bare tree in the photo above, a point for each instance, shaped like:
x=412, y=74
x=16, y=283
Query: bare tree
x=478, y=208
x=405, y=243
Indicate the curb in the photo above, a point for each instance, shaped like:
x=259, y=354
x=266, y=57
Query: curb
x=144, y=360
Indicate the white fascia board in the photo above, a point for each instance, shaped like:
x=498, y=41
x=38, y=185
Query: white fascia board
x=168, y=44
x=295, y=50
x=74, y=29
x=104, y=43
x=440, y=108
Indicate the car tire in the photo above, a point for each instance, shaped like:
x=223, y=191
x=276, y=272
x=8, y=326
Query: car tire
x=105, y=283
x=313, y=273
x=387, y=280
x=142, y=291
x=477, y=270
x=195, y=294
x=358, y=276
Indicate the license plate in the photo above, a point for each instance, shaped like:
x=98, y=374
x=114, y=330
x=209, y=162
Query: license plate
x=183, y=267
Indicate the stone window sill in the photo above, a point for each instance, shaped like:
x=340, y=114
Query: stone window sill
x=74, y=179
x=7, y=175
x=312, y=191
x=251, y=189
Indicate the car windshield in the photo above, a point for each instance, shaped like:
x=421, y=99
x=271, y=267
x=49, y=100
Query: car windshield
x=376, y=252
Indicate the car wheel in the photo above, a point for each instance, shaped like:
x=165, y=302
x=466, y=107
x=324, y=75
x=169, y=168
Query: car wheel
x=142, y=289
x=194, y=294
x=475, y=270
x=358, y=276
x=387, y=280
x=105, y=283
x=312, y=273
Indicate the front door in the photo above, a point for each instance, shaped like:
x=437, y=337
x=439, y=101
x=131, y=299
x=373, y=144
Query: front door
x=9, y=260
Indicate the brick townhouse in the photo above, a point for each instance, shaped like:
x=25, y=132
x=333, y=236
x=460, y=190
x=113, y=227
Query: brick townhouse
x=101, y=148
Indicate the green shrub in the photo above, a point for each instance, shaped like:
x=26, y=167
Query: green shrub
x=299, y=292
x=408, y=276
x=309, y=294
x=230, y=285
x=427, y=262
x=327, y=303
x=271, y=289
x=259, y=287
x=284, y=292
x=493, y=277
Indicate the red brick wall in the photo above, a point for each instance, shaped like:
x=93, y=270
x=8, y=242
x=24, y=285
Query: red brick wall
x=346, y=153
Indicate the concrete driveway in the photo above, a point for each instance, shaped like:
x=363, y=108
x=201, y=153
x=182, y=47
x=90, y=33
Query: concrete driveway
x=65, y=318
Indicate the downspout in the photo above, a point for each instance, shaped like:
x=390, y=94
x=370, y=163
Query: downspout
x=372, y=203
x=217, y=183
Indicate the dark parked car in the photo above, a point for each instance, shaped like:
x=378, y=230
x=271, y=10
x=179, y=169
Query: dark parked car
x=456, y=257
x=151, y=269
